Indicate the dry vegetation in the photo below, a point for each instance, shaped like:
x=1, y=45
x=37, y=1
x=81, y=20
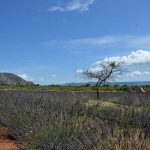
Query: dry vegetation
x=65, y=121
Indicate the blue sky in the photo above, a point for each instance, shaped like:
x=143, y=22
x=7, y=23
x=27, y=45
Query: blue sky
x=49, y=41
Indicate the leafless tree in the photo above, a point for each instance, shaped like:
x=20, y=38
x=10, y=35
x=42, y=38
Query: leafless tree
x=105, y=71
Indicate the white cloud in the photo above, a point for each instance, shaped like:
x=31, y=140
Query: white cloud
x=133, y=74
x=78, y=71
x=53, y=75
x=130, y=61
x=139, y=59
x=92, y=69
x=137, y=74
x=115, y=41
x=136, y=57
x=143, y=41
x=146, y=73
x=41, y=79
x=74, y=5
x=95, y=69
x=25, y=77
x=98, y=40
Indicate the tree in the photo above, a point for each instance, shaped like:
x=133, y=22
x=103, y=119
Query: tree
x=103, y=72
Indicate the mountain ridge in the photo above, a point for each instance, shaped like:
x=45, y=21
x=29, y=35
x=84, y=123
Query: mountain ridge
x=12, y=79
x=134, y=83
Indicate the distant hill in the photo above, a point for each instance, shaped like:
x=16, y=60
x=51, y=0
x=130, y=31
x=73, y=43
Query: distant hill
x=12, y=79
x=139, y=83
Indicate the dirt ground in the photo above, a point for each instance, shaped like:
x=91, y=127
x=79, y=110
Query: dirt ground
x=5, y=142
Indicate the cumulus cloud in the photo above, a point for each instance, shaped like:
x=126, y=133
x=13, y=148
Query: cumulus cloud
x=130, y=62
x=25, y=77
x=74, y=5
x=135, y=57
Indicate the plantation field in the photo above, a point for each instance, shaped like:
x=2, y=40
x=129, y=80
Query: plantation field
x=69, y=120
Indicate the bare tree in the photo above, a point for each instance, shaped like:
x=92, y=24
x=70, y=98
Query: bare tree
x=105, y=71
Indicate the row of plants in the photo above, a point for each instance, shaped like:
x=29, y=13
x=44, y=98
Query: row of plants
x=65, y=121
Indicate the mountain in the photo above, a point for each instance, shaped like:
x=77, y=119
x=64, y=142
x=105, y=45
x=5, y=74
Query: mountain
x=12, y=79
x=138, y=83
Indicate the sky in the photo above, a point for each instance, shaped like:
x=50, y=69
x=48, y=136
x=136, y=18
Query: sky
x=51, y=41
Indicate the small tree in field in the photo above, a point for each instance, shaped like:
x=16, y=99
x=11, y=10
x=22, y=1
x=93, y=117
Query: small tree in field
x=104, y=71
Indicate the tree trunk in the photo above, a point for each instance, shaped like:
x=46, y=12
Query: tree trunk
x=97, y=93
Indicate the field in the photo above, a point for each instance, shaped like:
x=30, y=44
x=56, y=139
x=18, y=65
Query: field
x=73, y=88
x=65, y=120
